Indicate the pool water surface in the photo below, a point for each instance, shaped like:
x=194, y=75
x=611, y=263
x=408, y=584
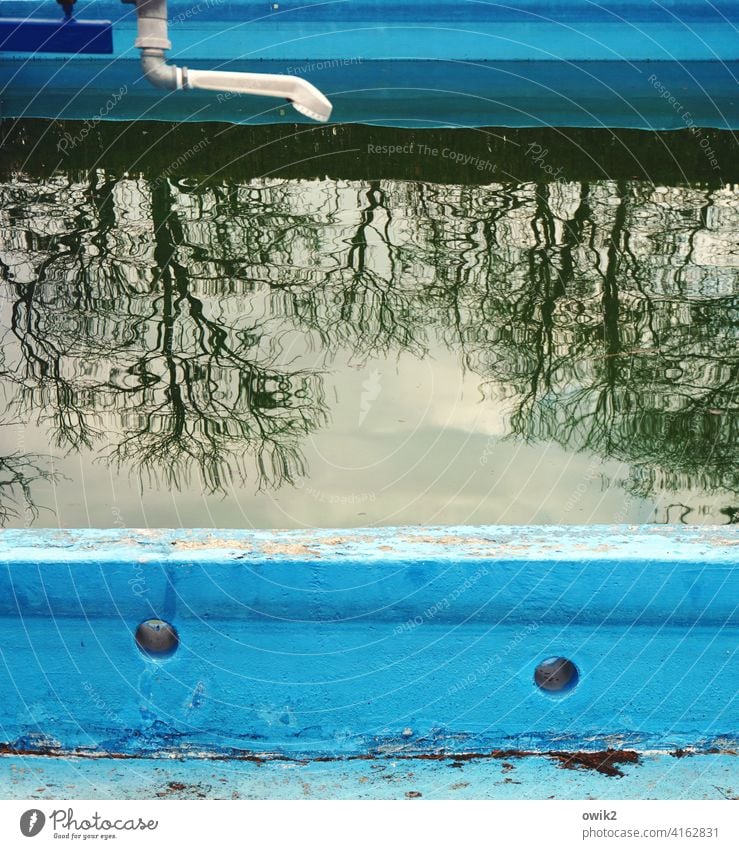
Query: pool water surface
x=403, y=337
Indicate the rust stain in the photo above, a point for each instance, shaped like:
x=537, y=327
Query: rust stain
x=606, y=763
x=194, y=791
x=176, y=785
x=505, y=754
x=413, y=794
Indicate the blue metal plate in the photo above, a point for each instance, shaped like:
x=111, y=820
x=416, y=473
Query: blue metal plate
x=28, y=35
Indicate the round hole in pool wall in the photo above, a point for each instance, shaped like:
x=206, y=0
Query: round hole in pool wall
x=556, y=675
x=157, y=638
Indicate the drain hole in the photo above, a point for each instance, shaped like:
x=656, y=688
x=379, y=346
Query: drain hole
x=157, y=638
x=556, y=675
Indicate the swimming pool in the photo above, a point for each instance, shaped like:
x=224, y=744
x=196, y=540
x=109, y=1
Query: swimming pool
x=483, y=376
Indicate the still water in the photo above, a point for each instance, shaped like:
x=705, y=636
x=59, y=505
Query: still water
x=323, y=351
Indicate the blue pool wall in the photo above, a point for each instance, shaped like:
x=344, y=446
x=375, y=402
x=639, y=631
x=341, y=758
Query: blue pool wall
x=668, y=65
x=337, y=643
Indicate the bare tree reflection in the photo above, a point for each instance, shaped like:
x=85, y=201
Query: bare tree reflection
x=205, y=403
x=19, y=475
x=132, y=344
x=649, y=378
x=602, y=314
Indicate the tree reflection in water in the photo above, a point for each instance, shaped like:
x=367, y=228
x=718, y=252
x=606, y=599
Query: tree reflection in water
x=156, y=321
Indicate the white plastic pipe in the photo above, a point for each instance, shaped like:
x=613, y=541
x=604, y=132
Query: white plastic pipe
x=153, y=42
x=306, y=98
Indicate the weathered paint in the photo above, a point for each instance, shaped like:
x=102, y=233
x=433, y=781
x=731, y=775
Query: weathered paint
x=411, y=643
x=55, y=35
x=414, y=63
x=654, y=777
x=616, y=574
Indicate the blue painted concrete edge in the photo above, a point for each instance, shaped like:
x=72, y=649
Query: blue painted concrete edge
x=239, y=688
x=614, y=574
x=666, y=543
x=336, y=643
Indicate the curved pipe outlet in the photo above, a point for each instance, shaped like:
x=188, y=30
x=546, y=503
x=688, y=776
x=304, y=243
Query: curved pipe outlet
x=158, y=72
x=153, y=42
x=306, y=98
